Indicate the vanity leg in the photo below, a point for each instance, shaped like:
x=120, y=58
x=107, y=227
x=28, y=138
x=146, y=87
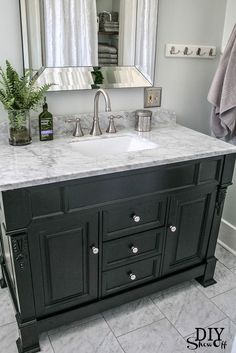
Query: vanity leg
x=28, y=341
x=3, y=283
x=208, y=278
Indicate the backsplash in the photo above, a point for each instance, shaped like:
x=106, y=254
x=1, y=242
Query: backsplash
x=62, y=127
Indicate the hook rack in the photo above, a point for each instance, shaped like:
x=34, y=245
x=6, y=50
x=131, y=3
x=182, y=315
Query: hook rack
x=190, y=51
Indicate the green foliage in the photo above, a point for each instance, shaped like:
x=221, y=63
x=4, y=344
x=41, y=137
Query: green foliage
x=98, y=76
x=19, y=92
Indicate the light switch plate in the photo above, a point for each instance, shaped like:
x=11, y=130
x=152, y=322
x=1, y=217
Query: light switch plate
x=152, y=97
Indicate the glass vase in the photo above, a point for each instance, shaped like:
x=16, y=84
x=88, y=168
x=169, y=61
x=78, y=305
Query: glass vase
x=19, y=127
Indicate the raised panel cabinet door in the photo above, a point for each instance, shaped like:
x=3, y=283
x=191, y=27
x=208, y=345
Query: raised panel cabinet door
x=64, y=260
x=189, y=226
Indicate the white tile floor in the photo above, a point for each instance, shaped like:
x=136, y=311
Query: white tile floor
x=160, y=323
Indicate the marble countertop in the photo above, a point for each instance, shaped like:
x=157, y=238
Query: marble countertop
x=57, y=160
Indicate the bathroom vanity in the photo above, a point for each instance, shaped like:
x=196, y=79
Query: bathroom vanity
x=85, y=235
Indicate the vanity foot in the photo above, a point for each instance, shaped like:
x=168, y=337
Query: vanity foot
x=208, y=278
x=22, y=349
x=28, y=342
x=3, y=283
x=206, y=284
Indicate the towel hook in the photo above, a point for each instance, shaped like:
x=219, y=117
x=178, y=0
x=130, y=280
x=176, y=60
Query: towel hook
x=211, y=53
x=173, y=52
x=186, y=51
x=198, y=53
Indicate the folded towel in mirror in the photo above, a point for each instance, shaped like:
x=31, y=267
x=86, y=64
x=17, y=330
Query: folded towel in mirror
x=106, y=48
x=107, y=61
x=110, y=24
x=107, y=56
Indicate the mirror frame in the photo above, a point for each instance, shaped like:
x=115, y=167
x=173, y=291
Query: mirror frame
x=66, y=78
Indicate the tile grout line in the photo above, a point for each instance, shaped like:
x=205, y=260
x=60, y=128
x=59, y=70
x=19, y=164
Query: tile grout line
x=49, y=338
x=113, y=333
x=9, y=323
x=167, y=319
x=217, y=295
x=210, y=325
x=138, y=328
x=226, y=316
x=126, y=333
x=70, y=326
x=225, y=265
x=171, y=324
x=227, y=291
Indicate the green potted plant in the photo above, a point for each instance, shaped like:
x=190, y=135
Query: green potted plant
x=19, y=95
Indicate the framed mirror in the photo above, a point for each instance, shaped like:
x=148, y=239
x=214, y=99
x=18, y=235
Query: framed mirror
x=89, y=44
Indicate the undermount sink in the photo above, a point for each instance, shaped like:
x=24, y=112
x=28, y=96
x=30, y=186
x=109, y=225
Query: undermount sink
x=113, y=145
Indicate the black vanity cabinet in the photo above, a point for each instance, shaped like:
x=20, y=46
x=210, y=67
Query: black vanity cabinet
x=75, y=248
x=65, y=261
x=189, y=226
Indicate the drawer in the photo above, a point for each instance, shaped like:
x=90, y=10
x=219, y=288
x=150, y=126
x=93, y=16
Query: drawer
x=129, y=249
x=130, y=275
x=132, y=216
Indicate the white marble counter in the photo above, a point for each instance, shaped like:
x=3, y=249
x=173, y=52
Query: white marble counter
x=57, y=160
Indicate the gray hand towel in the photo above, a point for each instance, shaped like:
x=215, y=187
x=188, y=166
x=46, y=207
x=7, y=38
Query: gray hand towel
x=222, y=94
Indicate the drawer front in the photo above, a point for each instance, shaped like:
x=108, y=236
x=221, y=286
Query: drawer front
x=130, y=275
x=133, y=216
x=132, y=248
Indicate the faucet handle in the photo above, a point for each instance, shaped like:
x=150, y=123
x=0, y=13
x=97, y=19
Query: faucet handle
x=111, y=127
x=78, y=129
x=78, y=132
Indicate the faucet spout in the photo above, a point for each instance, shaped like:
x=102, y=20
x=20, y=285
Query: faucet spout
x=96, y=130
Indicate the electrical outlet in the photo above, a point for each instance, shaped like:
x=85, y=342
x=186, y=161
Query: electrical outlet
x=152, y=97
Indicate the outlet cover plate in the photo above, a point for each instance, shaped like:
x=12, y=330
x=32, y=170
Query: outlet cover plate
x=152, y=97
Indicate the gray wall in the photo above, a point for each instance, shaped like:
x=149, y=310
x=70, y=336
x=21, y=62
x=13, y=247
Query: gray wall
x=230, y=205
x=230, y=20
x=185, y=82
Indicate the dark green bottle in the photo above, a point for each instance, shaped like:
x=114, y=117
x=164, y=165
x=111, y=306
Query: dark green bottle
x=45, y=124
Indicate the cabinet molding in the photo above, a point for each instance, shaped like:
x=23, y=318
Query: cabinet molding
x=73, y=249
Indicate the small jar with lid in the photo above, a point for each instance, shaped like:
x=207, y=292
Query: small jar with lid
x=143, y=120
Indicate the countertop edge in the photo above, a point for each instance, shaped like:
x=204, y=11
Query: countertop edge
x=111, y=170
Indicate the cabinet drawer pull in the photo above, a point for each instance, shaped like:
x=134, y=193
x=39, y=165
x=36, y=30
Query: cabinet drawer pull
x=136, y=218
x=132, y=276
x=134, y=249
x=173, y=229
x=95, y=250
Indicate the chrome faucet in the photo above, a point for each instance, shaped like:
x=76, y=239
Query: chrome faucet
x=96, y=130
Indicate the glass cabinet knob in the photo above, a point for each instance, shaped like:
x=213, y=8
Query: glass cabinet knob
x=95, y=250
x=132, y=276
x=173, y=229
x=134, y=249
x=136, y=218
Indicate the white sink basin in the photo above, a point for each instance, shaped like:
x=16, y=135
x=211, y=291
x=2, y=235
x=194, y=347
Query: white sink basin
x=112, y=145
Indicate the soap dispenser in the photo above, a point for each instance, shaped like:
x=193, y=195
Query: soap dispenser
x=45, y=124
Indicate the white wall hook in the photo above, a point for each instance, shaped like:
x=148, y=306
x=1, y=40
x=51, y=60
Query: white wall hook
x=199, y=52
x=173, y=52
x=186, y=51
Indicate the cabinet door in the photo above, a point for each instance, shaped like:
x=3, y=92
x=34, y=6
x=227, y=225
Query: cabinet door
x=64, y=267
x=189, y=226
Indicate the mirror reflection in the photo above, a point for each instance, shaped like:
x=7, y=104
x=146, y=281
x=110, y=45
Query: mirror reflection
x=61, y=35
